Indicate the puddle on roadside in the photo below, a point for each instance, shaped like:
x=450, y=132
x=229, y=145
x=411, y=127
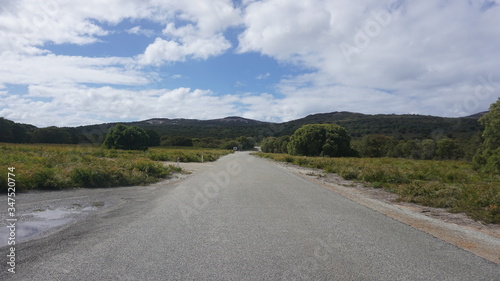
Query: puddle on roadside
x=40, y=220
x=56, y=214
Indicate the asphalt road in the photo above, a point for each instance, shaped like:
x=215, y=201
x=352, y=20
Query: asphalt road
x=240, y=218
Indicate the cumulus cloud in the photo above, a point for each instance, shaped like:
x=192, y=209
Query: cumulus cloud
x=428, y=57
x=53, y=69
x=202, y=37
x=83, y=105
x=162, y=51
x=427, y=54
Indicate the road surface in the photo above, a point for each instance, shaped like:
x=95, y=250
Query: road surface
x=240, y=218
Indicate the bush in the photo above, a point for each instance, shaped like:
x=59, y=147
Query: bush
x=245, y=143
x=320, y=140
x=448, y=149
x=376, y=145
x=178, y=141
x=488, y=157
x=126, y=137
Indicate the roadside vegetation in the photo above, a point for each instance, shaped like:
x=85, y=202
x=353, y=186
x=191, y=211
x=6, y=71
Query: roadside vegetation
x=51, y=166
x=458, y=175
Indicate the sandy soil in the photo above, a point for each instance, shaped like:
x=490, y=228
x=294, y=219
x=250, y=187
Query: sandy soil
x=455, y=228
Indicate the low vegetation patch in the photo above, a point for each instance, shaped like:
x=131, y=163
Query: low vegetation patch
x=188, y=154
x=454, y=185
x=66, y=166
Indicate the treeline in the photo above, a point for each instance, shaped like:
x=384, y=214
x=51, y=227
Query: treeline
x=242, y=143
x=404, y=126
x=136, y=138
x=425, y=149
x=21, y=133
x=326, y=140
x=119, y=136
x=385, y=146
x=333, y=140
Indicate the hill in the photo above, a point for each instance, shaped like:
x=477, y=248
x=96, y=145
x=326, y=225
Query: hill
x=404, y=126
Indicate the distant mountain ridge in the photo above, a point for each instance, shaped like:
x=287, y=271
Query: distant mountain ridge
x=177, y=121
x=401, y=126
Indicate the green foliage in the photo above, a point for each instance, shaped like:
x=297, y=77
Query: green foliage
x=445, y=184
x=375, y=145
x=320, y=140
x=55, y=135
x=491, y=123
x=488, y=157
x=448, y=149
x=275, y=145
x=208, y=142
x=126, y=137
x=428, y=149
x=154, y=138
x=401, y=127
x=177, y=141
x=13, y=132
x=186, y=154
x=229, y=144
x=245, y=143
x=66, y=166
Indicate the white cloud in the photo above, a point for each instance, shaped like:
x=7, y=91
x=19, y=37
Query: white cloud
x=263, y=76
x=138, y=30
x=202, y=37
x=53, y=70
x=162, y=51
x=428, y=54
x=429, y=57
x=44, y=106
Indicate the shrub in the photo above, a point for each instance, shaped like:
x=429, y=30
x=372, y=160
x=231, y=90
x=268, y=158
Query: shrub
x=125, y=137
x=320, y=140
x=488, y=157
x=376, y=145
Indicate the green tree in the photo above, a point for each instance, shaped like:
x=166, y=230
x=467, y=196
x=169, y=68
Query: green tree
x=320, y=140
x=376, y=145
x=275, y=145
x=6, y=134
x=55, y=135
x=246, y=143
x=126, y=137
x=154, y=138
x=268, y=145
x=488, y=156
x=448, y=149
x=491, y=123
x=181, y=141
x=208, y=142
x=229, y=144
x=427, y=149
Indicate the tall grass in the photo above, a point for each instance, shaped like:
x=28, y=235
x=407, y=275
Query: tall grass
x=454, y=185
x=67, y=166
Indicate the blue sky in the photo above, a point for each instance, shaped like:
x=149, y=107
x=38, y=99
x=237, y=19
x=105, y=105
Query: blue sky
x=72, y=62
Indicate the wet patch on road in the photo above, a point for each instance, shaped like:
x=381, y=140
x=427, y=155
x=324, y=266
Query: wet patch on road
x=33, y=222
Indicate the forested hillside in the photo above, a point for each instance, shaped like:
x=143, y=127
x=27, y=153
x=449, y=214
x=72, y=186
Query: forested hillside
x=358, y=125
